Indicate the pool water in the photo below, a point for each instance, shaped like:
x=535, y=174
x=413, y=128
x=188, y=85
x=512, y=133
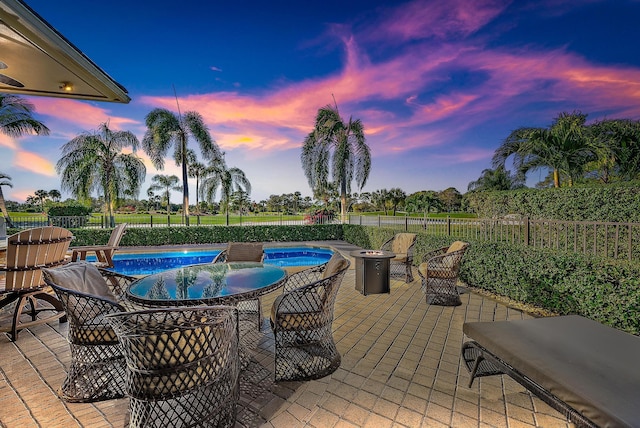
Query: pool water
x=154, y=262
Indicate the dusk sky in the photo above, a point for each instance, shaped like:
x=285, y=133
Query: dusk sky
x=437, y=84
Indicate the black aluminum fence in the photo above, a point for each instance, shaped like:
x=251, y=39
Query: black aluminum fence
x=605, y=239
x=135, y=220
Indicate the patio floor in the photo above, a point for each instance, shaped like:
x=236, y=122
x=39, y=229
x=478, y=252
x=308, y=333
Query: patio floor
x=400, y=367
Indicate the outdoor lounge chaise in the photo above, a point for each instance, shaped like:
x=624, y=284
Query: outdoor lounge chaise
x=585, y=370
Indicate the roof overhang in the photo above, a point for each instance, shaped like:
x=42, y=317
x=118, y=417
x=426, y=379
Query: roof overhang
x=35, y=59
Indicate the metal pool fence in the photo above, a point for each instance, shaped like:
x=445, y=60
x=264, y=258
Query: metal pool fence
x=616, y=240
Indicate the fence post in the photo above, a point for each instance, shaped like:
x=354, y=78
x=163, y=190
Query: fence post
x=406, y=223
x=448, y=225
x=379, y=222
x=526, y=230
x=150, y=220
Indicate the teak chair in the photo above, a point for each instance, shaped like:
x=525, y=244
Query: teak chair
x=104, y=253
x=27, y=253
x=301, y=320
x=401, y=244
x=244, y=252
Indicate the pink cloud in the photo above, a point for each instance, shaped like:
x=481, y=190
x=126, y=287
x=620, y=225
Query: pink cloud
x=80, y=113
x=34, y=163
x=6, y=141
x=426, y=18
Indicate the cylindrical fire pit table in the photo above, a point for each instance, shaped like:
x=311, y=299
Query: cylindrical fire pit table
x=372, y=270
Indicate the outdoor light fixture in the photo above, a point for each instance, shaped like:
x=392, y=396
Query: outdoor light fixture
x=66, y=86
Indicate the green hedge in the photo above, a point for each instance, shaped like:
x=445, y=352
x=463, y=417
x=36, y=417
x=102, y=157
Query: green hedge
x=565, y=283
x=607, y=203
x=209, y=235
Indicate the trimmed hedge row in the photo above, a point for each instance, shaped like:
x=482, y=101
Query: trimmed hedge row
x=562, y=282
x=209, y=235
x=615, y=203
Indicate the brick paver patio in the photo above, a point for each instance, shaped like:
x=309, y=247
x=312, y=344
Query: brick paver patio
x=401, y=367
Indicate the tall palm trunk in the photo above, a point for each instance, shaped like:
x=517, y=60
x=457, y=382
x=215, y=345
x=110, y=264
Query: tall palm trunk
x=556, y=178
x=343, y=201
x=185, y=182
x=3, y=208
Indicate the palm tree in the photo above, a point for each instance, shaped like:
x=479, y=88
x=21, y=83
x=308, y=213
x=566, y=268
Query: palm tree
x=165, y=183
x=495, y=179
x=16, y=120
x=94, y=161
x=5, y=180
x=16, y=117
x=423, y=201
x=229, y=180
x=41, y=196
x=55, y=195
x=396, y=196
x=617, y=144
x=563, y=147
x=351, y=155
x=166, y=129
x=197, y=170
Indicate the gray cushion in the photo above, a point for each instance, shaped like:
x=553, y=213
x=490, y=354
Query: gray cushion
x=589, y=366
x=83, y=277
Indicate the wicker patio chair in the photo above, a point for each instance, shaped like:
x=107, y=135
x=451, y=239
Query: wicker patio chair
x=439, y=273
x=97, y=370
x=104, y=253
x=244, y=252
x=401, y=244
x=27, y=253
x=301, y=320
x=182, y=365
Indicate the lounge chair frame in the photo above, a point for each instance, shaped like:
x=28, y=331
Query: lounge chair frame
x=480, y=362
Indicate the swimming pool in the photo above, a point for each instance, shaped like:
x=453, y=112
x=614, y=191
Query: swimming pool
x=154, y=262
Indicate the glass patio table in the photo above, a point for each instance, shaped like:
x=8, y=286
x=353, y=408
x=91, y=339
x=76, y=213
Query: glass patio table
x=207, y=284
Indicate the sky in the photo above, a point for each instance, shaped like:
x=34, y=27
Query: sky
x=438, y=85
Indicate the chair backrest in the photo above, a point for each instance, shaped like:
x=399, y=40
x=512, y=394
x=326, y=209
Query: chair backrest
x=245, y=252
x=172, y=351
x=31, y=250
x=402, y=242
x=116, y=235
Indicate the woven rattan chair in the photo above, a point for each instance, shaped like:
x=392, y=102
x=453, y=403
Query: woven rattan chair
x=182, y=365
x=439, y=273
x=27, y=253
x=401, y=244
x=244, y=252
x=301, y=319
x=104, y=253
x=97, y=370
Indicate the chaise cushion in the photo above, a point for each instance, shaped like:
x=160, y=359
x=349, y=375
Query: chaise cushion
x=589, y=366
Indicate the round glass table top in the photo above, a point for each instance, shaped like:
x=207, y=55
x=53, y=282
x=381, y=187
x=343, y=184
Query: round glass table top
x=207, y=283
